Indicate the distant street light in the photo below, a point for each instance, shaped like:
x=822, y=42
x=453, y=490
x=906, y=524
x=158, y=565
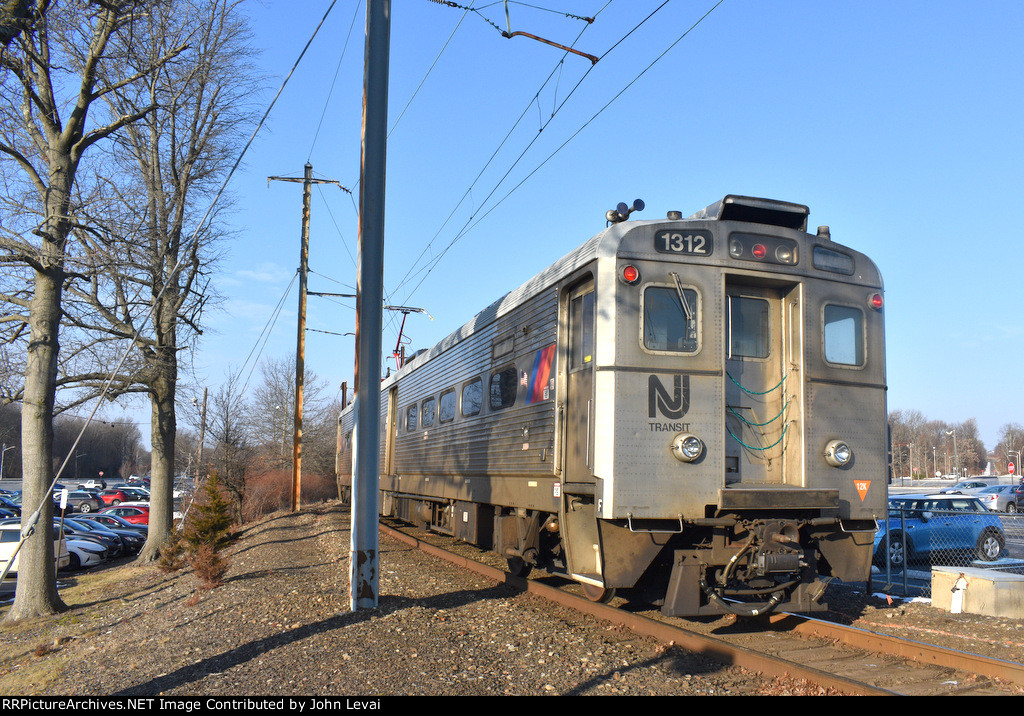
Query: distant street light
x=956, y=455
x=2, y=459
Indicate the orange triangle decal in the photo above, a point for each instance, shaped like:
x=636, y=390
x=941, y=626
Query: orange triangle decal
x=862, y=488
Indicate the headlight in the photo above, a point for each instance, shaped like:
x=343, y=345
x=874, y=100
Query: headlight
x=838, y=453
x=687, y=447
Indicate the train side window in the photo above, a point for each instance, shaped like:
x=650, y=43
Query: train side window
x=472, y=397
x=427, y=413
x=670, y=321
x=844, y=335
x=748, y=327
x=581, y=338
x=411, y=413
x=504, y=387
x=446, y=410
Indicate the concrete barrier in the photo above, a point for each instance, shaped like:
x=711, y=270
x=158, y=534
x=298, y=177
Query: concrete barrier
x=978, y=591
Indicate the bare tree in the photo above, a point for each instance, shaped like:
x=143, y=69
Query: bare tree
x=231, y=435
x=155, y=247
x=51, y=82
x=273, y=406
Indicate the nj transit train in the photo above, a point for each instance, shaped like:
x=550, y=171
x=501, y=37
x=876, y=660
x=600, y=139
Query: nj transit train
x=691, y=411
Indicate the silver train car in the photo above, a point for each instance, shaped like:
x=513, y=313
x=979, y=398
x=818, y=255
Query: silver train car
x=690, y=411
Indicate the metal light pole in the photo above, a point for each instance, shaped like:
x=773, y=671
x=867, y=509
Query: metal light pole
x=956, y=455
x=2, y=459
x=364, y=557
x=1017, y=453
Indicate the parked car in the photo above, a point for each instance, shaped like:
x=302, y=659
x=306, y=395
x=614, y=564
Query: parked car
x=126, y=541
x=10, y=535
x=8, y=504
x=136, y=514
x=958, y=527
x=84, y=501
x=136, y=494
x=85, y=552
x=1002, y=498
x=116, y=523
x=114, y=497
x=966, y=487
x=113, y=543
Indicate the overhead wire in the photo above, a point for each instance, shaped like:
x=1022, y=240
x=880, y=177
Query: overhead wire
x=470, y=224
x=494, y=154
x=337, y=70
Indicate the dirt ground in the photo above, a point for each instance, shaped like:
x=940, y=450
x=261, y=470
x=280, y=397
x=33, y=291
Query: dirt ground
x=281, y=624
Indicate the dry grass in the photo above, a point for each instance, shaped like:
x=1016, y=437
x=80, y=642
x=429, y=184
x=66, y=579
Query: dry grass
x=33, y=651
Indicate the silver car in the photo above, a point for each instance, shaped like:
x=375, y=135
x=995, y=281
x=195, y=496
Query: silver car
x=1002, y=498
x=967, y=487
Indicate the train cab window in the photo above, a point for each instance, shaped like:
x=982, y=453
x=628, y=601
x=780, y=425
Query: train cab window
x=581, y=332
x=504, y=387
x=748, y=327
x=411, y=413
x=844, y=335
x=472, y=397
x=446, y=410
x=670, y=319
x=429, y=409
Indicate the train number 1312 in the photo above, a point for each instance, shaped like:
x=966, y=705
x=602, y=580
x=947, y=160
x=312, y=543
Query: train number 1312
x=696, y=243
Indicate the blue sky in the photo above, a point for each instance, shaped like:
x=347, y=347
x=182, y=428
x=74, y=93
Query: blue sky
x=898, y=124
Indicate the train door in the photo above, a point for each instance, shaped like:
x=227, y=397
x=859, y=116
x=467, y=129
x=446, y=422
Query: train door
x=391, y=433
x=579, y=401
x=762, y=346
x=579, y=513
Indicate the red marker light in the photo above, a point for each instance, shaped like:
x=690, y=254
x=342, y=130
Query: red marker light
x=759, y=251
x=630, y=274
x=876, y=301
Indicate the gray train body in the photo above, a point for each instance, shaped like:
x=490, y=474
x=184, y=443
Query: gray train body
x=689, y=409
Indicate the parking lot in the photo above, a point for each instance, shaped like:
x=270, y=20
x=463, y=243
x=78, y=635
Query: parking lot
x=915, y=575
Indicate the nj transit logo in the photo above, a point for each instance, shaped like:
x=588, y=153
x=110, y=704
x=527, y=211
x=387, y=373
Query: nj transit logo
x=672, y=405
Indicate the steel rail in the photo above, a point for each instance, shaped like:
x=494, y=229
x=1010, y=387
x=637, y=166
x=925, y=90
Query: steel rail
x=920, y=652
x=710, y=647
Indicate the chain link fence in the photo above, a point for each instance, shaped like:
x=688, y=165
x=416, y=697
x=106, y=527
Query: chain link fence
x=943, y=530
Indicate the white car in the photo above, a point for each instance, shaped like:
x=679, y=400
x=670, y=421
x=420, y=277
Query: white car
x=10, y=535
x=85, y=553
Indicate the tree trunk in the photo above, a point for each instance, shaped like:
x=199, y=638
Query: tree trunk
x=161, y=501
x=36, y=593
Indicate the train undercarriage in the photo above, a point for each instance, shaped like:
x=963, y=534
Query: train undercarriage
x=744, y=563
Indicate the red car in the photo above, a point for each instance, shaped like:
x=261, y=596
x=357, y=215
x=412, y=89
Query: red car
x=136, y=514
x=114, y=497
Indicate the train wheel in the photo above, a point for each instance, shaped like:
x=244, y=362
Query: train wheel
x=518, y=567
x=594, y=593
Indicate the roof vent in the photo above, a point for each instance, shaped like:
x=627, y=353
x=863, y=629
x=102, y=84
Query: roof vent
x=756, y=211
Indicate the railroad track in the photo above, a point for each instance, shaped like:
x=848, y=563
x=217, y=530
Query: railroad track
x=833, y=656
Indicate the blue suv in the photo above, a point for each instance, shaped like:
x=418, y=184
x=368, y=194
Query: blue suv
x=922, y=526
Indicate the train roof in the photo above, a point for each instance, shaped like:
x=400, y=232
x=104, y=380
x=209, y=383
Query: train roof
x=607, y=243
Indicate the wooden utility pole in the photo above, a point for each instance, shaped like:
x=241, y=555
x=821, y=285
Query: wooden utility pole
x=300, y=343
